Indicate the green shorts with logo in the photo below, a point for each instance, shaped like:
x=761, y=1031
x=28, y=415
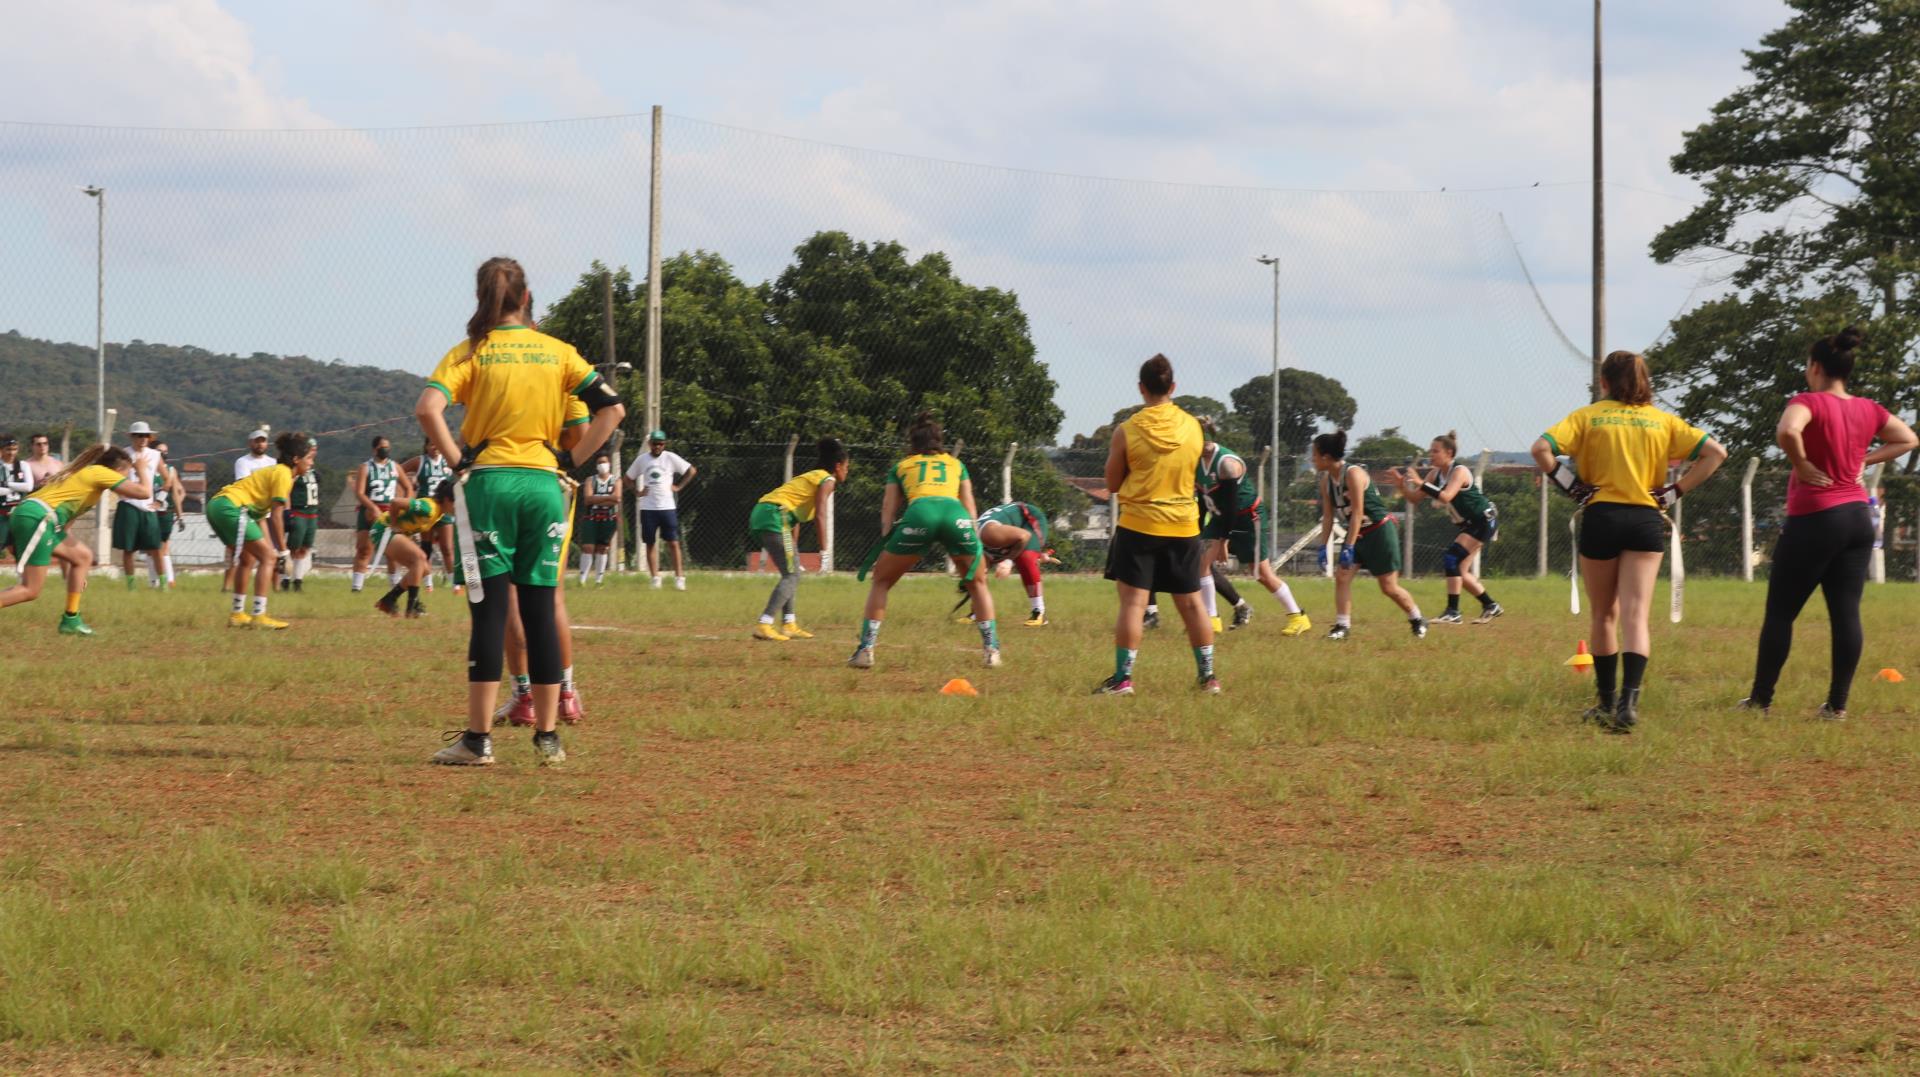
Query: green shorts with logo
x=1378, y=551
x=768, y=517
x=931, y=521
x=26, y=519
x=301, y=531
x=596, y=532
x=136, y=529
x=519, y=521
x=235, y=525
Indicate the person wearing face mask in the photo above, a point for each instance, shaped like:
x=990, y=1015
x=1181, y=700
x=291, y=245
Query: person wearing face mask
x=376, y=483
x=600, y=520
x=16, y=482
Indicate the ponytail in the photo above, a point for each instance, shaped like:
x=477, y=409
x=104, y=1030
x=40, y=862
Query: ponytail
x=104, y=455
x=925, y=435
x=500, y=290
x=1449, y=441
x=1332, y=446
x=832, y=453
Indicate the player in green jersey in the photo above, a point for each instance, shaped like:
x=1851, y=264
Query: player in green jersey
x=376, y=483
x=1348, y=494
x=1451, y=484
x=1014, y=536
x=303, y=525
x=1232, y=504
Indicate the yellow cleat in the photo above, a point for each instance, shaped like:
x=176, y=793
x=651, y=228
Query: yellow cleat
x=792, y=630
x=1037, y=620
x=1298, y=624
x=236, y=619
x=1218, y=627
x=765, y=631
x=261, y=620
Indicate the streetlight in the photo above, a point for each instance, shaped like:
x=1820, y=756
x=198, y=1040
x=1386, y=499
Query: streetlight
x=1273, y=498
x=99, y=195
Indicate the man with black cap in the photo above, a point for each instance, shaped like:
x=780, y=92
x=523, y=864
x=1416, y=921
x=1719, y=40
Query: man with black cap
x=136, y=522
x=653, y=477
x=16, y=482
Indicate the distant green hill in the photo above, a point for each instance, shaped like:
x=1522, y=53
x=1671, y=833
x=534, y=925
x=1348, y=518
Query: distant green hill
x=202, y=402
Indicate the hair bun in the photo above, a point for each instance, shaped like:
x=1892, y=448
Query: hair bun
x=1849, y=338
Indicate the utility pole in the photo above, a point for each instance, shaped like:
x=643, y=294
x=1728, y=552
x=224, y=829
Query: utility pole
x=1273, y=494
x=99, y=196
x=1599, y=218
x=653, y=282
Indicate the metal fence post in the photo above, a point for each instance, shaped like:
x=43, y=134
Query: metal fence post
x=1006, y=473
x=1480, y=480
x=1541, y=570
x=1265, y=528
x=792, y=444
x=1877, y=566
x=1406, y=542
x=1746, y=520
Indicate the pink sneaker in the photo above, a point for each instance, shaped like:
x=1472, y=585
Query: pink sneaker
x=570, y=709
x=521, y=712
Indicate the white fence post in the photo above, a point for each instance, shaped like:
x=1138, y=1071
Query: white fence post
x=1480, y=480
x=1541, y=570
x=1006, y=473
x=792, y=444
x=1260, y=525
x=103, y=519
x=827, y=532
x=1406, y=542
x=1746, y=520
x=1877, y=564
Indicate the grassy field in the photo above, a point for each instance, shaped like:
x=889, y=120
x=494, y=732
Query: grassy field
x=226, y=851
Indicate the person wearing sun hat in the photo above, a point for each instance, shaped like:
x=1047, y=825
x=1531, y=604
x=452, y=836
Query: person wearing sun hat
x=136, y=522
x=656, y=476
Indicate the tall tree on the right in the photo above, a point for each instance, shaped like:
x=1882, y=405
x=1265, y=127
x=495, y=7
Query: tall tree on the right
x=1812, y=201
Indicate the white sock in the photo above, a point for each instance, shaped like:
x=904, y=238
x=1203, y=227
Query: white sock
x=1344, y=620
x=792, y=619
x=1209, y=596
x=259, y=605
x=153, y=574
x=429, y=581
x=395, y=575
x=1285, y=595
x=359, y=580
x=586, y=567
x=239, y=602
x=1415, y=615
x=566, y=679
x=1153, y=608
x=765, y=620
x=166, y=567
x=300, y=564
x=600, y=562
x=1039, y=603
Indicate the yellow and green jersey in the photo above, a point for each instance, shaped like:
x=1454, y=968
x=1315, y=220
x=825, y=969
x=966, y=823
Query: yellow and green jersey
x=1624, y=449
x=78, y=492
x=414, y=517
x=515, y=390
x=929, y=475
x=792, y=502
x=260, y=491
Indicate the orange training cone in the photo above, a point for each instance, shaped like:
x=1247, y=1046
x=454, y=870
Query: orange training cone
x=1890, y=675
x=1582, y=662
x=959, y=686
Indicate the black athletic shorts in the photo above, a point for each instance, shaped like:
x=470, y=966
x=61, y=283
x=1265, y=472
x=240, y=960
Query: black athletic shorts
x=1608, y=529
x=1480, y=527
x=1154, y=562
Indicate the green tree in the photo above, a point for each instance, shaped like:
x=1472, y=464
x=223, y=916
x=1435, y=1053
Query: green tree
x=1196, y=406
x=1812, y=196
x=1308, y=401
x=1386, y=447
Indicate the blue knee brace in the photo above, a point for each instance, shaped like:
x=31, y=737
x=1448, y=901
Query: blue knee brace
x=1455, y=556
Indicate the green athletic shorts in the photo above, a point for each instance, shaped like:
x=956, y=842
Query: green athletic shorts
x=166, y=521
x=1379, y=550
x=227, y=520
x=593, y=532
x=361, y=521
x=135, y=529
x=519, y=520
x=24, y=522
x=931, y=521
x=301, y=530
x=1238, y=530
x=768, y=517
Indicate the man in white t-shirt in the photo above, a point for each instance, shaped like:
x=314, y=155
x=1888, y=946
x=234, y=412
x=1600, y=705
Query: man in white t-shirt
x=656, y=476
x=257, y=457
x=136, y=523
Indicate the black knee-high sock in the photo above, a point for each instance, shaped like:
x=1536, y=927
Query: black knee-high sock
x=1453, y=602
x=392, y=595
x=1605, y=666
x=1225, y=588
x=1485, y=597
x=1632, y=668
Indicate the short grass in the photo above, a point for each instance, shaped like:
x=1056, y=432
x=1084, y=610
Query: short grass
x=225, y=851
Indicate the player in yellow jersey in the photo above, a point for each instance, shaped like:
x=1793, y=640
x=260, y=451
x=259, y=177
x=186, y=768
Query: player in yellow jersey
x=777, y=518
x=1619, y=450
x=403, y=535
x=928, y=506
x=236, y=513
x=38, y=527
x=510, y=505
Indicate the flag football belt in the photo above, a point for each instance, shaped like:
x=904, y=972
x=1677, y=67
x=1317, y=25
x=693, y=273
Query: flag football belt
x=1372, y=527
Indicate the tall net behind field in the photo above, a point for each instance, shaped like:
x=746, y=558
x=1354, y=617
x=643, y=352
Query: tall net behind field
x=227, y=251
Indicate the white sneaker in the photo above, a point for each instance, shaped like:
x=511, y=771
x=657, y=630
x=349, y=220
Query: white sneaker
x=992, y=660
x=457, y=754
x=656, y=583
x=679, y=583
x=862, y=658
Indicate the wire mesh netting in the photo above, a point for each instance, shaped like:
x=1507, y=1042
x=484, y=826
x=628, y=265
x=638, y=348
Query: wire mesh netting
x=809, y=290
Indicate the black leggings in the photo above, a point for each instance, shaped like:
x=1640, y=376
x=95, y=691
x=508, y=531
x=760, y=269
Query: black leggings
x=486, y=645
x=1829, y=550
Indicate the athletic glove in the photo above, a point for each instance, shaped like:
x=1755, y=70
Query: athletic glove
x=1323, y=557
x=1346, y=557
x=1567, y=482
x=1667, y=496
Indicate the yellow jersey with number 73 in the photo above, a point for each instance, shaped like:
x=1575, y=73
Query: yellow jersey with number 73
x=929, y=475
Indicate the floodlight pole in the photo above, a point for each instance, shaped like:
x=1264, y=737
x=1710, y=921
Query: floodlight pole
x=653, y=281
x=99, y=196
x=1273, y=439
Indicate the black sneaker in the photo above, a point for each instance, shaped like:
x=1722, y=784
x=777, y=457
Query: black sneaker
x=1488, y=613
x=1419, y=627
x=286, y=584
x=1242, y=616
x=547, y=747
x=1598, y=714
x=1827, y=713
x=297, y=583
x=386, y=606
x=1338, y=632
x=1753, y=705
x=1152, y=619
x=416, y=609
x=1626, y=713
x=1451, y=617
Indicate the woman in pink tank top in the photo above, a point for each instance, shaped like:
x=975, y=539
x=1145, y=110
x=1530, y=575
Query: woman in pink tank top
x=1828, y=538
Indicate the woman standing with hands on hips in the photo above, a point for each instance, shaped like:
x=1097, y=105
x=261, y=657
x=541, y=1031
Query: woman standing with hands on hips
x=509, y=500
x=1620, y=448
x=1828, y=538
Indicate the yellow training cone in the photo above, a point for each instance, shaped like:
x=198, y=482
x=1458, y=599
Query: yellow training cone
x=959, y=686
x=1891, y=676
x=1582, y=662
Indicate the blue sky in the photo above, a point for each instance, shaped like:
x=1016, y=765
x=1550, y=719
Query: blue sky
x=359, y=246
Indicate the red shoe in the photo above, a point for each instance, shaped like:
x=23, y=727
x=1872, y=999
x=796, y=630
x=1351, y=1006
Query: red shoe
x=521, y=712
x=570, y=709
